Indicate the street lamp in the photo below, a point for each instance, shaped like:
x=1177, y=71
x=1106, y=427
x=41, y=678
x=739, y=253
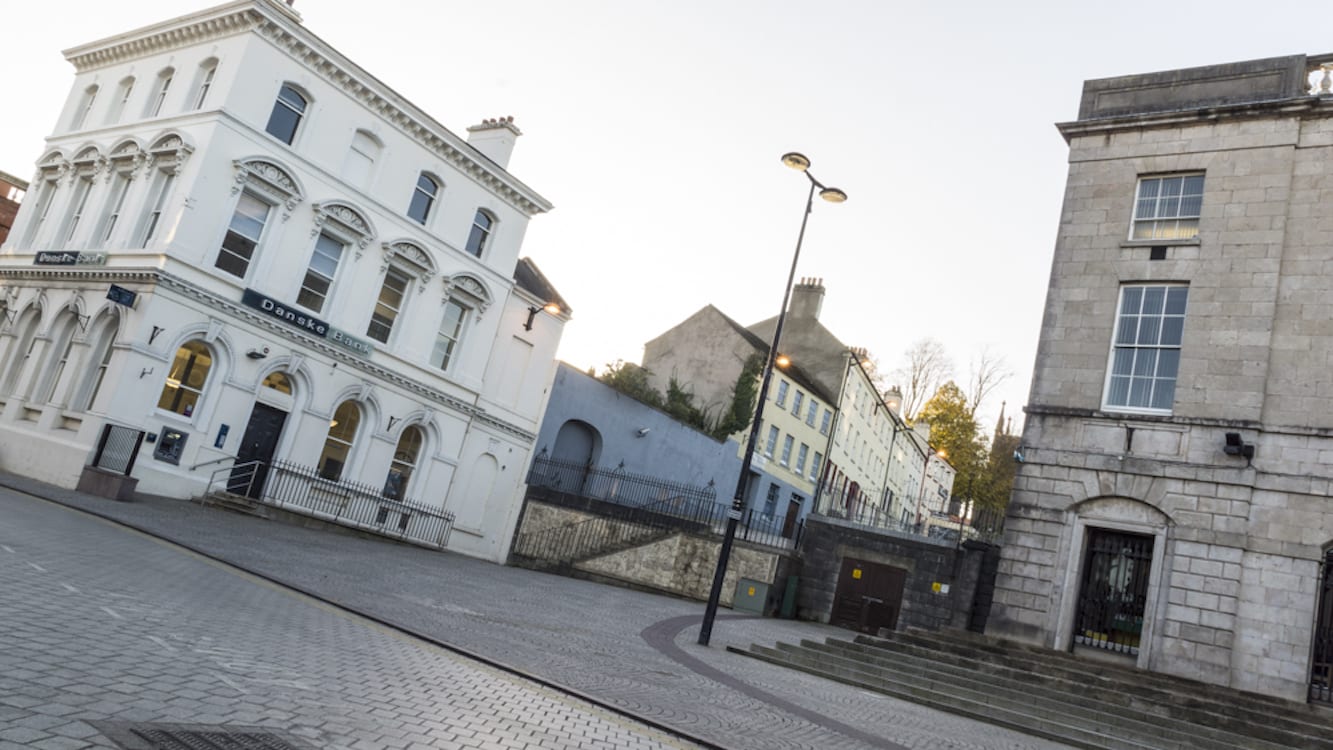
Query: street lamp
x=832, y=195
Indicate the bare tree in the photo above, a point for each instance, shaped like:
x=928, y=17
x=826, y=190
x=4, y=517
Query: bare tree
x=988, y=371
x=927, y=367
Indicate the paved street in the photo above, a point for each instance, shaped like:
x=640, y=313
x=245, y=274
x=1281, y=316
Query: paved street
x=630, y=651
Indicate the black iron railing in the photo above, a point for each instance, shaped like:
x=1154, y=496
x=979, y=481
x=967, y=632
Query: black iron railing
x=118, y=448
x=300, y=489
x=653, y=508
x=1321, y=667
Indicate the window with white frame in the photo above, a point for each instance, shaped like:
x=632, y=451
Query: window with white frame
x=826, y=422
x=22, y=349
x=782, y=394
x=83, y=188
x=389, y=304
x=319, y=275
x=123, y=92
x=450, y=334
x=207, y=69
x=771, y=501
x=99, y=356
x=772, y=443
x=338, y=443
x=61, y=345
x=787, y=443
x=423, y=198
x=163, y=182
x=404, y=463
x=482, y=226
x=243, y=233
x=86, y=103
x=801, y=455
x=186, y=379
x=115, y=205
x=812, y=412
x=797, y=402
x=1167, y=208
x=288, y=110
x=159, y=96
x=42, y=209
x=816, y=464
x=1145, y=355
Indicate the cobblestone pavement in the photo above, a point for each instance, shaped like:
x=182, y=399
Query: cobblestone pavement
x=585, y=638
x=101, y=624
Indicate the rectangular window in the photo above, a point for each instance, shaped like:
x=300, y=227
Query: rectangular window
x=812, y=412
x=771, y=502
x=77, y=207
x=165, y=181
x=772, y=444
x=1167, y=208
x=1145, y=355
x=816, y=464
x=787, y=441
x=797, y=402
x=319, y=276
x=801, y=455
x=115, y=204
x=44, y=201
x=782, y=393
x=451, y=330
x=238, y=247
x=388, y=305
x=826, y=422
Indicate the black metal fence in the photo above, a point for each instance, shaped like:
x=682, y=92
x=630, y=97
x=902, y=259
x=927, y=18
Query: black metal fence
x=653, y=507
x=300, y=489
x=118, y=448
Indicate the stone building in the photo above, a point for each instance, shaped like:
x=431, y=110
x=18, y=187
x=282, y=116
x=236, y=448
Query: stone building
x=1172, y=506
x=249, y=248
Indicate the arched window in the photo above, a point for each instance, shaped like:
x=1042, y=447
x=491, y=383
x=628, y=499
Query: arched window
x=159, y=96
x=338, y=445
x=482, y=224
x=404, y=463
x=99, y=358
x=123, y=92
x=287, y=113
x=85, y=106
x=185, y=381
x=278, y=381
x=423, y=198
x=359, y=163
x=23, y=346
x=61, y=344
x=207, y=69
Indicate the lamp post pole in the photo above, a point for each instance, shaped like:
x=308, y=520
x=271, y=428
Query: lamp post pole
x=833, y=195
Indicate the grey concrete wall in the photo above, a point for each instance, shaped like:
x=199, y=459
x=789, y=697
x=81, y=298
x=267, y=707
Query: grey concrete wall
x=927, y=561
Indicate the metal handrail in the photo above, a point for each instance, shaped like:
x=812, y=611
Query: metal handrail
x=214, y=461
x=253, y=466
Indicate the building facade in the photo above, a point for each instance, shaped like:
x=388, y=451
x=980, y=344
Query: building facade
x=1172, y=505
x=245, y=245
x=12, y=190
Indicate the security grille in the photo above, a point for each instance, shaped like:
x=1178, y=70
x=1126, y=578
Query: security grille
x=1321, y=670
x=1114, y=594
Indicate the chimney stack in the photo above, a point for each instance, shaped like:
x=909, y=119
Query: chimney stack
x=807, y=298
x=495, y=138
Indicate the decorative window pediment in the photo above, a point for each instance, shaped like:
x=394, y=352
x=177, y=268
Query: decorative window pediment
x=53, y=166
x=268, y=180
x=169, y=153
x=87, y=161
x=410, y=256
x=344, y=220
x=127, y=156
x=469, y=289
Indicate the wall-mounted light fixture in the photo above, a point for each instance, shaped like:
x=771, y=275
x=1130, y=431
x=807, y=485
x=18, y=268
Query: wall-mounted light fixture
x=392, y=421
x=550, y=307
x=259, y=353
x=1236, y=447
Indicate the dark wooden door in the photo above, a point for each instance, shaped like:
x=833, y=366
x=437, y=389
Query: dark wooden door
x=789, y=521
x=869, y=596
x=258, y=444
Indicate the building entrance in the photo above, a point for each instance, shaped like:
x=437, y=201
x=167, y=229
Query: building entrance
x=258, y=444
x=1321, y=668
x=1114, y=591
x=869, y=596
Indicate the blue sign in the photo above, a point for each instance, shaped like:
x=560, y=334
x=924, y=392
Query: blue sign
x=222, y=435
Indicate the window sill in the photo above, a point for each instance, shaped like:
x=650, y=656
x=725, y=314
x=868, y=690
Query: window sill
x=1161, y=243
x=1135, y=412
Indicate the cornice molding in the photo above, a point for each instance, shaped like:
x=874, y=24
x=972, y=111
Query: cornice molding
x=282, y=28
x=223, y=305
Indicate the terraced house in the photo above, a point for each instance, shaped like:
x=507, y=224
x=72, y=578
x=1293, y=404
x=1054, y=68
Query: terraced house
x=246, y=263
x=1173, y=509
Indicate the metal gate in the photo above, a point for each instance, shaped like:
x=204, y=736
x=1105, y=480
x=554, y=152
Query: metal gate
x=1114, y=593
x=1321, y=670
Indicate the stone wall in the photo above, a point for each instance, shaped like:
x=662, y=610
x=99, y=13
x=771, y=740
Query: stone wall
x=927, y=561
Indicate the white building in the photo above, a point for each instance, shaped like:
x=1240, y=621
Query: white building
x=305, y=267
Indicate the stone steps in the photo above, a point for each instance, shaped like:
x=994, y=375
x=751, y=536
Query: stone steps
x=1054, y=695
x=235, y=503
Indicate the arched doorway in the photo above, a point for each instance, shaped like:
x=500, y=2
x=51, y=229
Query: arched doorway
x=1321, y=666
x=255, y=455
x=577, y=448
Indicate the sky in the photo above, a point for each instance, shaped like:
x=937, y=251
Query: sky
x=656, y=128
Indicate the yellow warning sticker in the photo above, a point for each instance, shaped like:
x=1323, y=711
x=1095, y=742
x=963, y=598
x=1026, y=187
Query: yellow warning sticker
x=856, y=573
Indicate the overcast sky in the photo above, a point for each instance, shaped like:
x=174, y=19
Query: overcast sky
x=656, y=129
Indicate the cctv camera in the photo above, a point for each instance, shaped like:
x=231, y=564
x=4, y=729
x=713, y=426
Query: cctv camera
x=643, y=431
x=1018, y=456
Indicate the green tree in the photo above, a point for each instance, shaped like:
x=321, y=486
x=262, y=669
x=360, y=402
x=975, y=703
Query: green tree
x=631, y=380
x=743, y=394
x=954, y=430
